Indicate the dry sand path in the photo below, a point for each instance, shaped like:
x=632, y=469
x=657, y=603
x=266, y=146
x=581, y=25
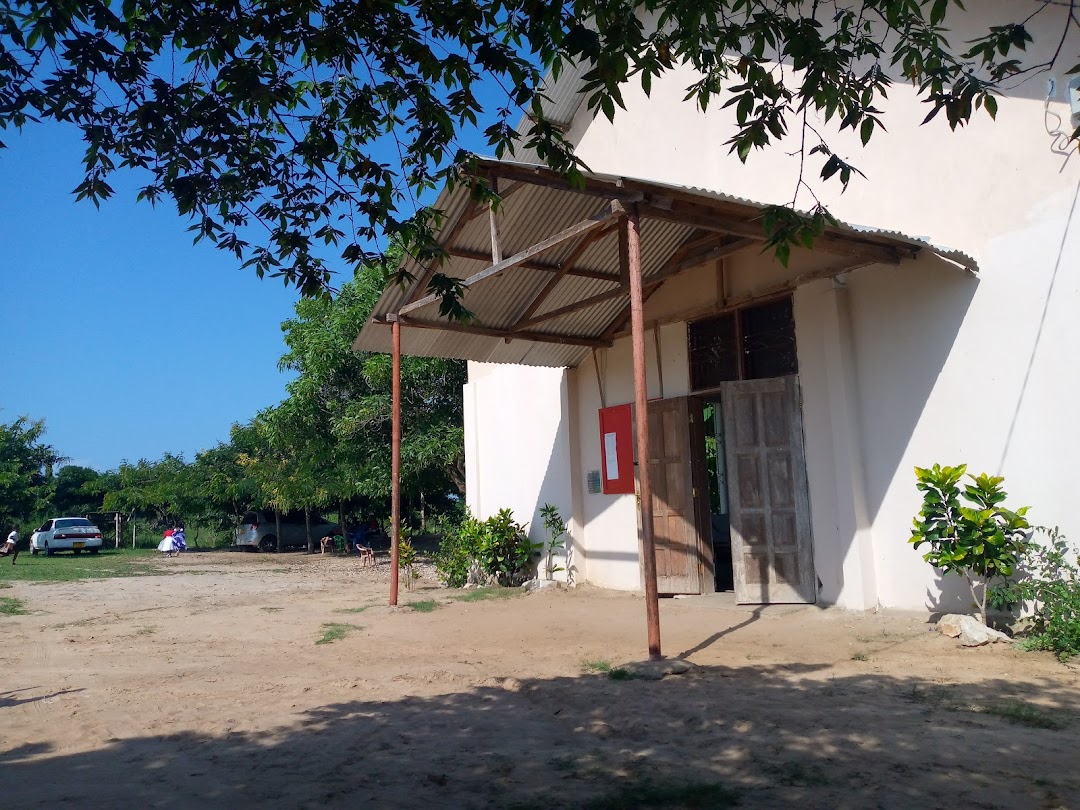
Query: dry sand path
x=205, y=688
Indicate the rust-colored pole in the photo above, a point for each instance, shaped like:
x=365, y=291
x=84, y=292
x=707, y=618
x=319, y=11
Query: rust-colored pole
x=395, y=462
x=641, y=419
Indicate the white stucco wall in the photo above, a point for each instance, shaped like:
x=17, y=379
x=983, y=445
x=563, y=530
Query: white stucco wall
x=517, y=444
x=932, y=365
x=943, y=369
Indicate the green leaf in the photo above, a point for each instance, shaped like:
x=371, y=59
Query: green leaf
x=866, y=130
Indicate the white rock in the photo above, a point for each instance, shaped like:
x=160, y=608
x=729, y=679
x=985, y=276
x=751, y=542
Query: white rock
x=534, y=585
x=970, y=631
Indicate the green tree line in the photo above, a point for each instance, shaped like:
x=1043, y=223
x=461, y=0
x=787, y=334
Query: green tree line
x=325, y=449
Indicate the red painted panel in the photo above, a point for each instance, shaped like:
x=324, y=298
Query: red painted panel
x=617, y=433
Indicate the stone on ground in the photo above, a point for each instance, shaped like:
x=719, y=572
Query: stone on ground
x=969, y=630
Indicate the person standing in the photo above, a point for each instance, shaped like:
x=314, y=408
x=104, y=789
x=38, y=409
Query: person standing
x=12, y=545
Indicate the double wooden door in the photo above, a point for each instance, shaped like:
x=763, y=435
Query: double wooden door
x=771, y=543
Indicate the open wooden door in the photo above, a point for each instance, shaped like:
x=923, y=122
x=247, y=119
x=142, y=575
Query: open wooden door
x=679, y=560
x=771, y=542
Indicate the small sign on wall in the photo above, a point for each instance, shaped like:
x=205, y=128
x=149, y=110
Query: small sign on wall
x=617, y=450
x=593, y=479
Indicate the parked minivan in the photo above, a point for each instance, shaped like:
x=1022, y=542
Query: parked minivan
x=257, y=530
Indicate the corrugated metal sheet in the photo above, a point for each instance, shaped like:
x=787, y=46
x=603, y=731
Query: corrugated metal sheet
x=563, y=96
x=532, y=214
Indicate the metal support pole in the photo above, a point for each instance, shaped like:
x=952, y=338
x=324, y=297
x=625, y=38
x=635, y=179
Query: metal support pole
x=641, y=419
x=395, y=463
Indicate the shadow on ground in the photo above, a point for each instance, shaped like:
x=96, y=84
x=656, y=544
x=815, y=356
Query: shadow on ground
x=783, y=736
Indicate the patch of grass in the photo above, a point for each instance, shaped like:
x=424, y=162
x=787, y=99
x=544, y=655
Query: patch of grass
x=667, y=794
x=1017, y=711
x=271, y=609
x=66, y=567
x=482, y=594
x=4, y=585
x=604, y=667
x=146, y=631
x=10, y=606
x=424, y=606
x=860, y=656
x=334, y=631
x=797, y=774
x=360, y=609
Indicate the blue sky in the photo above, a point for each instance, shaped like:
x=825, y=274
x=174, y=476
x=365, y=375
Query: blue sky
x=126, y=338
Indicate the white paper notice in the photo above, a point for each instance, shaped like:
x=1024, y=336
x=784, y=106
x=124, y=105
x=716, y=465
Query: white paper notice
x=611, y=457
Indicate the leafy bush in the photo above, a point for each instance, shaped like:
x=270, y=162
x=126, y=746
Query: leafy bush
x=498, y=545
x=1049, y=583
x=980, y=542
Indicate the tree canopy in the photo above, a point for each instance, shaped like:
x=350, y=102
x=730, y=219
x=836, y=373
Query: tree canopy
x=26, y=467
x=325, y=447
x=303, y=136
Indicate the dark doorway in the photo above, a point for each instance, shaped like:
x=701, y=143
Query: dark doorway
x=716, y=475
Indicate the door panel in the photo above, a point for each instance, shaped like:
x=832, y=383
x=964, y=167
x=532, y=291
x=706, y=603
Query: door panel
x=679, y=560
x=772, y=547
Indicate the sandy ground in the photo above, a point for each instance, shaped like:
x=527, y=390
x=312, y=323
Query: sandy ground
x=205, y=688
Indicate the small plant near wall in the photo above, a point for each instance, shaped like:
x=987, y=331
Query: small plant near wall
x=979, y=540
x=1048, y=583
x=499, y=546
x=555, y=527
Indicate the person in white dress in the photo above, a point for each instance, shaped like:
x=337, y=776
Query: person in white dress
x=11, y=546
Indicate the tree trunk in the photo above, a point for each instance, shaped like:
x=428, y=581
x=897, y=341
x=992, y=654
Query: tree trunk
x=341, y=521
x=307, y=527
x=980, y=599
x=277, y=528
x=456, y=471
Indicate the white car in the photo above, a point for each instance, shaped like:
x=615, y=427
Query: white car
x=66, y=534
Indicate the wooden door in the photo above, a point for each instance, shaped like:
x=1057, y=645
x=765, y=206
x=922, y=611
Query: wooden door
x=771, y=543
x=678, y=544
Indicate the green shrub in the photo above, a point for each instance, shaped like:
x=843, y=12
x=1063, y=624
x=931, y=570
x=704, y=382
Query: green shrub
x=499, y=545
x=1049, y=583
x=981, y=541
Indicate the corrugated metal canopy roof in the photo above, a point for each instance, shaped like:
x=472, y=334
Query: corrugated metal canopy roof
x=550, y=307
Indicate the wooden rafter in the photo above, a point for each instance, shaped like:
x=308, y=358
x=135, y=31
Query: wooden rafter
x=690, y=208
x=763, y=293
x=452, y=232
x=579, y=228
x=473, y=328
x=694, y=242
x=701, y=217
x=671, y=268
x=565, y=269
x=549, y=179
x=533, y=264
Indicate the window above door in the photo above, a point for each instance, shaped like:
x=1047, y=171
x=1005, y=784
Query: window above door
x=753, y=343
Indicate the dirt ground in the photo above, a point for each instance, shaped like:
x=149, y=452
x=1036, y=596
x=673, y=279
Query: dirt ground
x=205, y=688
